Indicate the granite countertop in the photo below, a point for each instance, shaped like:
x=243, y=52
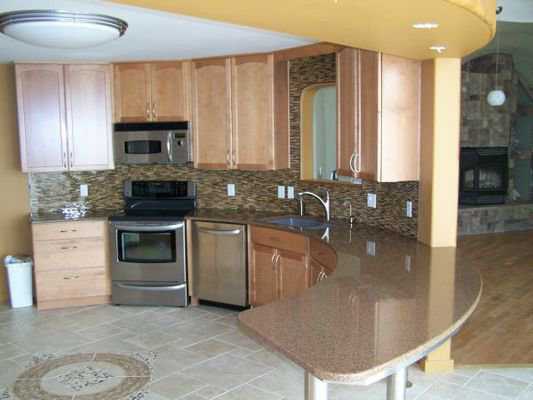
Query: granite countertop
x=96, y=215
x=390, y=302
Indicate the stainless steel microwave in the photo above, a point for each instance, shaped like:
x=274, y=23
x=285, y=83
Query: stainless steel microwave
x=152, y=143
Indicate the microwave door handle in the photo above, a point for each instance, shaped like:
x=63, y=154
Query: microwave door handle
x=149, y=228
x=169, y=147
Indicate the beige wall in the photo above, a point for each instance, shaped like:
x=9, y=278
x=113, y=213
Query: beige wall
x=14, y=227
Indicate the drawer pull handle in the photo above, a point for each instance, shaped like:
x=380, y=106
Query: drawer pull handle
x=67, y=248
x=74, y=230
x=63, y=231
x=71, y=277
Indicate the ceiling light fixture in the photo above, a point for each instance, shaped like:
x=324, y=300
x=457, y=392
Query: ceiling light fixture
x=496, y=96
x=425, y=25
x=61, y=29
x=438, y=49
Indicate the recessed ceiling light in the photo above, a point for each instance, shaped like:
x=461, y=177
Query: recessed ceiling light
x=61, y=29
x=438, y=49
x=425, y=25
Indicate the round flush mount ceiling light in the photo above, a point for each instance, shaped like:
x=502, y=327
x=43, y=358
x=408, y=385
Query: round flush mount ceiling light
x=61, y=29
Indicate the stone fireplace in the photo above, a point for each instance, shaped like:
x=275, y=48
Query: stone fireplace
x=496, y=166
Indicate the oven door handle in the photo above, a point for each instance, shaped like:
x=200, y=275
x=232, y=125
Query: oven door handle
x=151, y=288
x=149, y=228
x=229, y=232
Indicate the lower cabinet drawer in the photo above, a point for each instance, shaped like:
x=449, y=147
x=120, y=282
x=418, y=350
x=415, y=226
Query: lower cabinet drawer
x=69, y=230
x=279, y=239
x=73, y=283
x=69, y=254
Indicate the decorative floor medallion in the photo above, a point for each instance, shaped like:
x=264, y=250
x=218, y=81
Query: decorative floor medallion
x=100, y=376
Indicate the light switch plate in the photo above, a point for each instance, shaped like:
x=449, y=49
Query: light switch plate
x=409, y=209
x=281, y=192
x=231, y=190
x=84, y=190
x=371, y=248
x=371, y=200
x=290, y=192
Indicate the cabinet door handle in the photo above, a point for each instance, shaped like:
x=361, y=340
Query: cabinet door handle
x=65, y=159
x=234, y=158
x=69, y=277
x=154, y=113
x=148, y=111
x=71, y=159
x=228, y=160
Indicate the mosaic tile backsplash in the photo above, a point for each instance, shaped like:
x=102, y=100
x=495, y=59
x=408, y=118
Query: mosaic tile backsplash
x=255, y=190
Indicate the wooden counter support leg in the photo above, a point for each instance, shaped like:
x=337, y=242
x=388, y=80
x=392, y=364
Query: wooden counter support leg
x=396, y=385
x=439, y=360
x=315, y=389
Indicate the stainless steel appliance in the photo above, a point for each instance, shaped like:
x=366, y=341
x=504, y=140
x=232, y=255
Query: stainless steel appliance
x=148, y=244
x=219, y=262
x=152, y=143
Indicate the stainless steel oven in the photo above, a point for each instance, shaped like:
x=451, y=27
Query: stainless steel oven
x=148, y=243
x=152, y=143
x=148, y=262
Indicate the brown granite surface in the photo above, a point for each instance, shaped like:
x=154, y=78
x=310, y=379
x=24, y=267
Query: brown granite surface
x=390, y=302
x=98, y=215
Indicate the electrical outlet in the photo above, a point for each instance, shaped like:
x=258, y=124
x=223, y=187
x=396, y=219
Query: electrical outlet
x=371, y=248
x=84, y=190
x=231, y=190
x=409, y=209
x=371, y=200
x=281, y=192
x=290, y=192
x=408, y=263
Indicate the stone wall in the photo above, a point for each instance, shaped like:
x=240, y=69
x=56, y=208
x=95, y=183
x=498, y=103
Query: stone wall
x=481, y=123
x=254, y=190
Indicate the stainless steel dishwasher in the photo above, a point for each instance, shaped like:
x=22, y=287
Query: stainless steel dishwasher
x=219, y=262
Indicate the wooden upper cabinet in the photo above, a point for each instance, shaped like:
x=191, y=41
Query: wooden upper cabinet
x=379, y=116
x=252, y=112
x=400, y=119
x=211, y=110
x=240, y=113
x=65, y=115
x=89, y=116
x=170, y=91
x=132, y=92
x=41, y=117
x=152, y=91
x=348, y=112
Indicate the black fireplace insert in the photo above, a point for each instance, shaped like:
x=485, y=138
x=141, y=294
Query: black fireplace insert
x=483, y=175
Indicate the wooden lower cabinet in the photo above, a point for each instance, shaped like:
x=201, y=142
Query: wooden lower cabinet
x=264, y=276
x=71, y=264
x=283, y=264
x=293, y=273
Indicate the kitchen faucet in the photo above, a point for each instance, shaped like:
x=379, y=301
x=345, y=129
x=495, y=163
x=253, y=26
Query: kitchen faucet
x=325, y=203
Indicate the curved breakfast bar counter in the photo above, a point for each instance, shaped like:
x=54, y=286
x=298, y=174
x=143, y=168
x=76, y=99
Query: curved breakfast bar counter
x=389, y=303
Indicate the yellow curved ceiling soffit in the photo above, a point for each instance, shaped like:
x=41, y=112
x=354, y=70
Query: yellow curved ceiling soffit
x=381, y=25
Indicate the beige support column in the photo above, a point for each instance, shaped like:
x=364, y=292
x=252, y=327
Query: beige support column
x=439, y=169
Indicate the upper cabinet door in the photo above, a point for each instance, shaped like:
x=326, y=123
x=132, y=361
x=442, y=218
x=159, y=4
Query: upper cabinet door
x=169, y=90
x=41, y=116
x=211, y=113
x=348, y=156
x=252, y=112
x=89, y=115
x=132, y=93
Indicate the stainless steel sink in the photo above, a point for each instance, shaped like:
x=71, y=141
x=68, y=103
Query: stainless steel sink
x=298, y=222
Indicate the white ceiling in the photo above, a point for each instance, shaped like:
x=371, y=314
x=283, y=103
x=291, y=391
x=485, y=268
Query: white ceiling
x=151, y=35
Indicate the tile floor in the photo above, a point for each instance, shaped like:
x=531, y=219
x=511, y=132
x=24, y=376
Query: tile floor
x=198, y=353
